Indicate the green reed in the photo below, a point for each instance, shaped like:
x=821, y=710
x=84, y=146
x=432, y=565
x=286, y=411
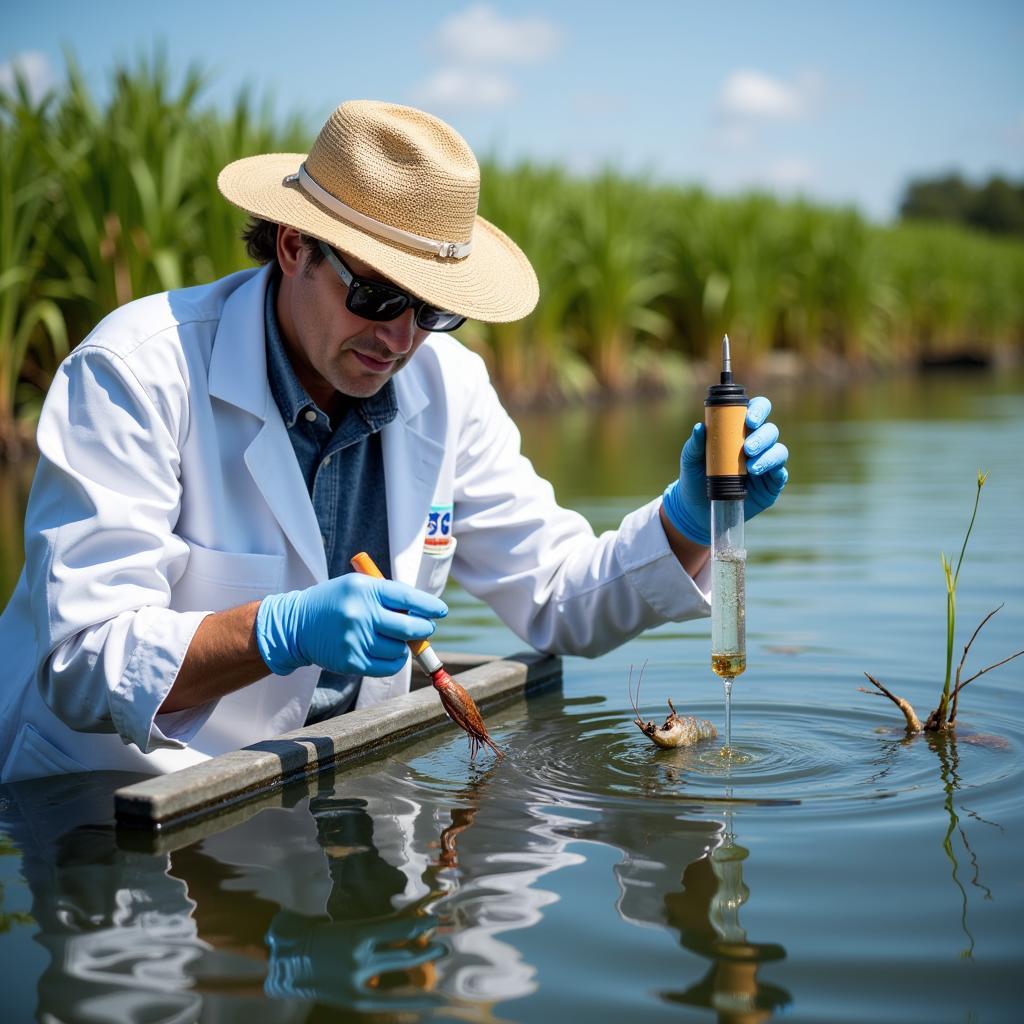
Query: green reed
x=538, y=356
x=101, y=202
x=943, y=717
x=31, y=308
x=952, y=576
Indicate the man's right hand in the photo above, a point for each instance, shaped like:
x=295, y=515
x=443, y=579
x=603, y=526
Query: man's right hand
x=350, y=624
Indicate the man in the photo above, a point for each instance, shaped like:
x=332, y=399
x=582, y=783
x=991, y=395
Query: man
x=211, y=458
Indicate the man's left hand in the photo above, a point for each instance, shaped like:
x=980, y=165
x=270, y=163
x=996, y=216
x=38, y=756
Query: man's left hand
x=686, y=501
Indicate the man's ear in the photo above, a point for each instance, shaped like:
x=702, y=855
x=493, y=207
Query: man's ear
x=291, y=253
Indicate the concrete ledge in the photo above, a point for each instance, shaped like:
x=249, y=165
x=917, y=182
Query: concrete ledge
x=229, y=779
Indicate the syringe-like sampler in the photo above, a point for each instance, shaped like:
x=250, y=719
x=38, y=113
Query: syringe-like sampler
x=725, y=411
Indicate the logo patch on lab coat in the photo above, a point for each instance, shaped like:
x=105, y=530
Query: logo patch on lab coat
x=438, y=539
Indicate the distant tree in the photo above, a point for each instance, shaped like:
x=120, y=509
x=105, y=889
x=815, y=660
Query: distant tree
x=946, y=198
x=996, y=207
x=999, y=208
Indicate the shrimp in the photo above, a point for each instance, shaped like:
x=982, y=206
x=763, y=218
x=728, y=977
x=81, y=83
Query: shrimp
x=678, y=731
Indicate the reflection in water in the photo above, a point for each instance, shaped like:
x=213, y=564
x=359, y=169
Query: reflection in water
x=360, y=952
x=10, y=918
x=462, y=817
x=945, y=746
x=291, y=905
x=117, y=928
x=707, y=913
x=413, y=886
x=359, y=898
x=481, y=860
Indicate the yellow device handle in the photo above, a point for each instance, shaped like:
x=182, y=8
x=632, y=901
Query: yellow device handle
x=368, y=567
x=727, y=429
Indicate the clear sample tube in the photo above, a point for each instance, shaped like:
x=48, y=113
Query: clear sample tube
x=728, y=589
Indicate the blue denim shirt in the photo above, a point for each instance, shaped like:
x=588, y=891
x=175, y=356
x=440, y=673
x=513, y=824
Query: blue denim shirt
x=343, y=466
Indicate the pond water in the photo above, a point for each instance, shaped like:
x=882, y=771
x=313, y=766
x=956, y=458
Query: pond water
x=842, y=873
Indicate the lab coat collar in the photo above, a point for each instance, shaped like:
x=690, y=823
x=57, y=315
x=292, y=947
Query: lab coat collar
x=238, y=363
x=238, y=376
x=412, y=459
x=412, y=465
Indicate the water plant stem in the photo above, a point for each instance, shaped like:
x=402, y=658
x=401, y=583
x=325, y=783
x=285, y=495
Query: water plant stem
x=944, y=715
x=951, y=581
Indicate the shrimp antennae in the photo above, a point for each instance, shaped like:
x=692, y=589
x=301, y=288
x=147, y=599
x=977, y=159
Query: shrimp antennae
x=629, y=685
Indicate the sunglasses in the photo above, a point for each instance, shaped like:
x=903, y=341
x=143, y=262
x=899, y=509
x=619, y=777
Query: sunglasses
x=376, y=300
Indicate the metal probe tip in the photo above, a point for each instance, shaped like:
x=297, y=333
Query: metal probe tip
x=726, y=361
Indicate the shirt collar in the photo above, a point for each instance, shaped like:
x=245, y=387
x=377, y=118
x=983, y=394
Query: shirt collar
x=376, y=411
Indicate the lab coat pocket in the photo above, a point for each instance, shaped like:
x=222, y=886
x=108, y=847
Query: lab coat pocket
x=214, y=580
x=33, y=757
x=434, y=569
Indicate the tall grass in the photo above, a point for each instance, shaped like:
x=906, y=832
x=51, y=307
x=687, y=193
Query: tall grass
x=101, y=202
x=30, y=314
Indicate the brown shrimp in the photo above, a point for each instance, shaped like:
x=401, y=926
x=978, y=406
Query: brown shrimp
x=678, y=730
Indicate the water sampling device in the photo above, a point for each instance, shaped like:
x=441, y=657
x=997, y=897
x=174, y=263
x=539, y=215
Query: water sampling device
x=725, y=413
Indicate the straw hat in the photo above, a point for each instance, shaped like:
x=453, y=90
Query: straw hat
x=397, y=189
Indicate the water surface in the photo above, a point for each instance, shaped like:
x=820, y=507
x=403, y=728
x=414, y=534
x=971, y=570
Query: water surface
x=841, y=873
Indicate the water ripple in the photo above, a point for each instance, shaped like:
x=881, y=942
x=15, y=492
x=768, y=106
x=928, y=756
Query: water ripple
x=788, y=754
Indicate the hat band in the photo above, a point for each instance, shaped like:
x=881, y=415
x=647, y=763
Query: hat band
x=446, y=250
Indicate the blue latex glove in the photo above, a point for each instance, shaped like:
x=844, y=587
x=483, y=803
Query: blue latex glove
x=350, y=624
x=686, y=500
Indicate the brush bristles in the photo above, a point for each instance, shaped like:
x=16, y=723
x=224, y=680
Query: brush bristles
x=463, y=712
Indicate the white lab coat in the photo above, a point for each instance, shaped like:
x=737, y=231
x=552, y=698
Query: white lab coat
x=167, y=488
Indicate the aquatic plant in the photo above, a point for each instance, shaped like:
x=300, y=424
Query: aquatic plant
x=944, y=716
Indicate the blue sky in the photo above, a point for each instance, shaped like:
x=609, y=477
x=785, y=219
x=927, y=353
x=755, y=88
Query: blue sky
x=840, y=101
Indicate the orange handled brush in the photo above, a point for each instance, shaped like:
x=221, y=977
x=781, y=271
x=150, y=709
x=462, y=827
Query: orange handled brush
x=457, y=702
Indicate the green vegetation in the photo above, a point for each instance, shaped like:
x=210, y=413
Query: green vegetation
x=638, y=278
x=943, y=713
x=102, y=203
x=997, y=206
x=943, y=718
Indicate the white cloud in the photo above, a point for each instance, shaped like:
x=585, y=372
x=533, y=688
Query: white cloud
x=465, y=89
x=34, y=67
x=751, y=101
x=479, y=34
x=791, y=173
x=755, y=96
